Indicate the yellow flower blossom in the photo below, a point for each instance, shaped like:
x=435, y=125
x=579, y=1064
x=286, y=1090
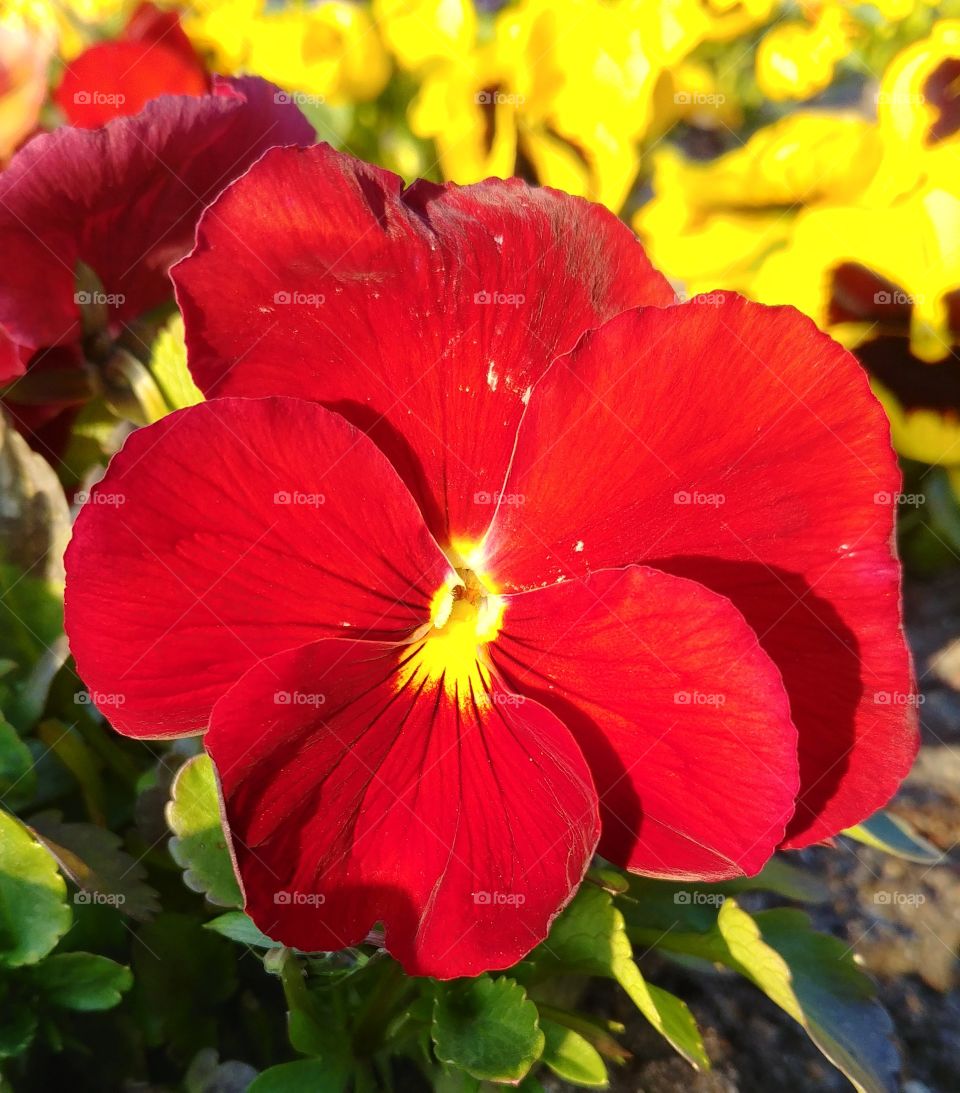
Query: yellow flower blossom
x=797, y=60
x=863, y=271
x=330, y=50
x=27, y=41
x=419, y=32
x=918, y=110
x=709, y=225
x=223, y=30
x=467, y=109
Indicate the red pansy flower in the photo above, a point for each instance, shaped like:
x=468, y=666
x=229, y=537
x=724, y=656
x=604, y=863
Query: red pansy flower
x=90, y=222
x=473, y=564
x=152, y=57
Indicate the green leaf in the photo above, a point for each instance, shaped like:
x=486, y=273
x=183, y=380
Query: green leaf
x=17, y=1030
x=34, y=528
x=572, y=1058
x=669, y=1015
x=66, y=743
x=199, y=845
x=779, y=876
x=96, y=434
x=240, y=927
x=895, y=836
x=813, y=977
x=18, y=780
x=81, y=981
x=305, y=1074
x=93, y=859
x=590, y=938
x=168, y=365
x=182, y=973
x=33, y=910
x=487, y=1027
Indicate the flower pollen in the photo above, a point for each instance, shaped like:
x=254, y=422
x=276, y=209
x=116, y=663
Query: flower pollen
x=465, y=614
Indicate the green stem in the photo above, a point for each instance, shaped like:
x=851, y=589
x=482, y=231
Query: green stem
x=371, y=1024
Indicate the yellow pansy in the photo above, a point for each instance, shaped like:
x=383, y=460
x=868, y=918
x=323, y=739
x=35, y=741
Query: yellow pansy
x=419, y=32
x=797, y=60
x=330, y=50
x=863, y=271
x=27, y=41
x=710, y=224
x=922, y=433
x=223, y=30
x=470, y=113
x=560, y=93
x=918, y=109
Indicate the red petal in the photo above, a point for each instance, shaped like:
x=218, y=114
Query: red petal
x=424, y=316
x=737, y=445
x=228, y=532
x=12, y=363
x=113, y=79
x=463, y=826
x=682, y=717
x=124, y=200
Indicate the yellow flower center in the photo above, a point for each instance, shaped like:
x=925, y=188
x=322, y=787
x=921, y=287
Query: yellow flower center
x=465, y=614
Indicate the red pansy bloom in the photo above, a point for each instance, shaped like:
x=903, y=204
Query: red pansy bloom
x=480, y=558
x=152, y=57
x=91, y=220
